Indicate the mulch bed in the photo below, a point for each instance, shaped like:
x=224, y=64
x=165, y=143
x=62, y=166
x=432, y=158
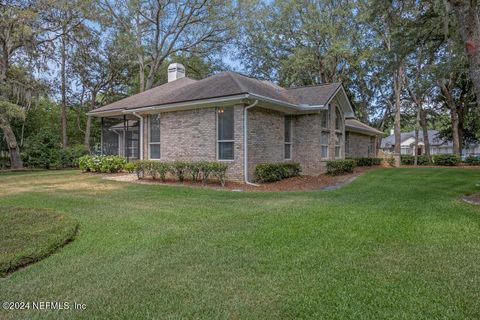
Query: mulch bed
x=302, y=183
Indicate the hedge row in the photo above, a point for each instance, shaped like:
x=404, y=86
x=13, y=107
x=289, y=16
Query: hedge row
x=181, y=170
x=437, y=159
x=472, y=161
x=408, y=160
x=104, y=164
x=366, y=162
x=270, y=172
x=338, y=167
x=446, y=159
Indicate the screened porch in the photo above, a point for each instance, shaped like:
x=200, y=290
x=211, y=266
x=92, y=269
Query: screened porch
x=121, y=136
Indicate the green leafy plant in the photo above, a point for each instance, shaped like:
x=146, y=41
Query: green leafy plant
x=104, y=164
x=179, y=169
x=338, y=167
x=219, y=169
x=446, y=159
x=473, y=161
x=270, y=172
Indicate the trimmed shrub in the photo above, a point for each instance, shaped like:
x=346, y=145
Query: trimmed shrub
x=473, y=161
x=130, y=167
x=219, y=170
x=406, y=159
x=338, y=167
x=365, y=161
x=446, y=159
x=195, y=171
x=160, y=169
x=205, y=170
x=409, y=160
x=179, y=169
x=270, y=172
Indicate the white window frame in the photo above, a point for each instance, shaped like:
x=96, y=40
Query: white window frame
x=338, y=144
x=289, y=144
x=220, y=141
x=150, y=143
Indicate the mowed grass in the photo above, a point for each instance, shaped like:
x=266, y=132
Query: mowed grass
x=394, y=244
x=30, y=234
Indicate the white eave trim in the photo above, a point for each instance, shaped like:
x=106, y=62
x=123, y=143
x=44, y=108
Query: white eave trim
x=286, y=107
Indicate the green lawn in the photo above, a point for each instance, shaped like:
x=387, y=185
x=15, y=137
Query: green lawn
x=30, y=234
x=394, y=244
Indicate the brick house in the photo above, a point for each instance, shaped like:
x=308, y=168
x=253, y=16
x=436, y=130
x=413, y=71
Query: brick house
x=186, y=119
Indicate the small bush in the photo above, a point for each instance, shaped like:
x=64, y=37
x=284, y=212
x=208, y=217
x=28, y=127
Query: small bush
x=472, y=161
x=365, y=161
x=104, y=164
x=205, y=168
x=270, y=172
x=338, y=167
x=219, y=170
x=409, y=160
x=446, y=159
x=130, y=167
x=179, y=170
x=195, y=171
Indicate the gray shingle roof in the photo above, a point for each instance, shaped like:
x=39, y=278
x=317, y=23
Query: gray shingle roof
x=356, y=125
x=433, y=139
x=222, y=85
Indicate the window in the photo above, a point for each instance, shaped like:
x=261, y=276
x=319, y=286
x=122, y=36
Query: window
x=338, y=119
x=288, y=138
x=154, y=136
x=347, y=143
x=338, y=146
x=324, y=119
x=324, y=137
x=225, y=133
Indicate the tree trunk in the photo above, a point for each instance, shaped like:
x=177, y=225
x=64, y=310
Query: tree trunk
x=88, y=127
x=456, y=138
x=426, y=140
x=461, y=121
x=397, y=87
x=63, y=89
x=469, y=25
x=446, y=92
x=15, y=159
x=417, y=128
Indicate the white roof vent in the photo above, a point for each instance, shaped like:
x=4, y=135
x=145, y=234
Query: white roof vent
x=175, y=71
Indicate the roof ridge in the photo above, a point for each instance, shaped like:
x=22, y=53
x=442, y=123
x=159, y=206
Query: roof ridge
x=314, y=85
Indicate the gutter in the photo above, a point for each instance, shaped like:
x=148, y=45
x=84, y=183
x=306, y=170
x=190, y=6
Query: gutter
x=245, y=142
x=204, y=102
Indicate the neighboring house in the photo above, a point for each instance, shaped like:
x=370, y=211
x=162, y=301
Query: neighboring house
x=437, y=145
x=186, y=119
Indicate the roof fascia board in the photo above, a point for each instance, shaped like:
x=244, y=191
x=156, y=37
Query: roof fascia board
x=363, y=131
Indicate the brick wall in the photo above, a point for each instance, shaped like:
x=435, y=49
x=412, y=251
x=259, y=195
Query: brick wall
x=265, y=137
x=306, y=144
x=191, y=136
x=357, y=145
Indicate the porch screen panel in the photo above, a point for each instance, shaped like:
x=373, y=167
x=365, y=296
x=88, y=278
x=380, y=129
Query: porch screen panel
x=111, y=136
x=133, y=140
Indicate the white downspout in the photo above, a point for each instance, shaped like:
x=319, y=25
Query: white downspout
x=245, y=142
x=140, y=134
